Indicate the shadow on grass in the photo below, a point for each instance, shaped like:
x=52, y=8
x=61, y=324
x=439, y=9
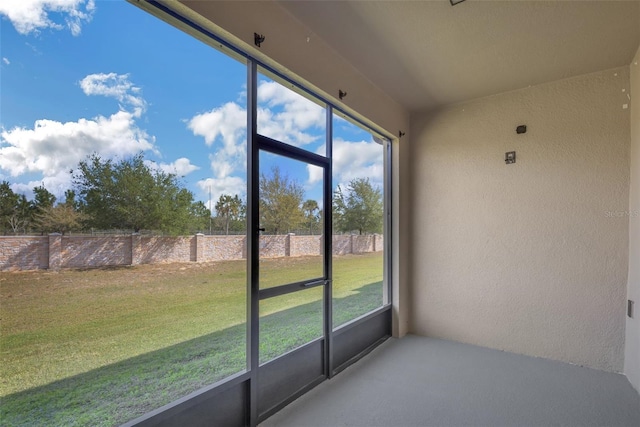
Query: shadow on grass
x=116, y=393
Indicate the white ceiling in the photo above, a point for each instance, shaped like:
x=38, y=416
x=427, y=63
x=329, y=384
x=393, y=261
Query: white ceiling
x=429, y=53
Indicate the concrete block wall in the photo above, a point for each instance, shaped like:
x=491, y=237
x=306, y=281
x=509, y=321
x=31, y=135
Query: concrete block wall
x=362, y=244
x=56, y=251
x=274, y=246
x=305, y=245
x=342, y=244
x=357, y=244
x=155, y=250
x=24, y=253
x=79, y=252
x=222, y=248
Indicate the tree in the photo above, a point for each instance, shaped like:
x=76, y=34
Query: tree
x=200, y=216
x=311, y=212
x=43, y=199
x=70, y=199
x=339, y=208
x=128, y=194
x=21, y=216
x=8, y=205
x=280, y=202
x=59, y=219
x=361, y=208
x=228, y=209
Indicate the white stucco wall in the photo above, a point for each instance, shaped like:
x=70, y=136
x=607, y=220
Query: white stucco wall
x=531, y=257
x=632, y=343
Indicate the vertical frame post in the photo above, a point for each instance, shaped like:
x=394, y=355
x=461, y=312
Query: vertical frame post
x=387, y=226
x=328, y=248
x=253, y=241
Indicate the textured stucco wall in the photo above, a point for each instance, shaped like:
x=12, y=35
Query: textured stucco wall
x=632, y=343
x=402, y=256
x=526, y=257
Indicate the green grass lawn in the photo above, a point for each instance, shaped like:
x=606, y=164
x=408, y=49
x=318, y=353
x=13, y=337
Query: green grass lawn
x=101, y=347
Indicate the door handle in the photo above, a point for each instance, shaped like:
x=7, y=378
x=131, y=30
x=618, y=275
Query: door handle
x=314, y=283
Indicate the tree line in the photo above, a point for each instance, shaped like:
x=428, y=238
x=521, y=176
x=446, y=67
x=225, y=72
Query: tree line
x=106, y=195
x=357, y=208
x=129, y=194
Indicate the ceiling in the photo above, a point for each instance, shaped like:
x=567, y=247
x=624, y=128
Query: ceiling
x=428, y=53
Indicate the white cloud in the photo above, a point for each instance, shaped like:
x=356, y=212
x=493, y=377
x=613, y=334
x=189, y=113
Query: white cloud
x=227, y=123
x=222, y=167
x=227, y=126
x=297, y=109
x=52, y=148
x=180, y=167
x=28, y=16
x=283, y=115
x=6, y=60
x=297, y=116
x=116, y=86
x=353, y=160
x=281, y=127
x=56, y=184
x=231, y=185
x=315, y=174
x=358, y=160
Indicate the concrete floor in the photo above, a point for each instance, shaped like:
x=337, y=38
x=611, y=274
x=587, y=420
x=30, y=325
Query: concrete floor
x=416, y=381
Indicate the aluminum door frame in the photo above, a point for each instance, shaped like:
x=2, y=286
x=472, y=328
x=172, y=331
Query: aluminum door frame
x=256, y=144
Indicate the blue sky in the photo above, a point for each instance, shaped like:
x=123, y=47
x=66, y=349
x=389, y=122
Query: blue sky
x=81, y=77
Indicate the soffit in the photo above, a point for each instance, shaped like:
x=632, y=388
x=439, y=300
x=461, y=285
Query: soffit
x=425, y=54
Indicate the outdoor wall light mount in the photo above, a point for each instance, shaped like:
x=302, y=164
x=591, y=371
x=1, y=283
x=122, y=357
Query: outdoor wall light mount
x=510, y=157
x=341, y=94
x=455, y=2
